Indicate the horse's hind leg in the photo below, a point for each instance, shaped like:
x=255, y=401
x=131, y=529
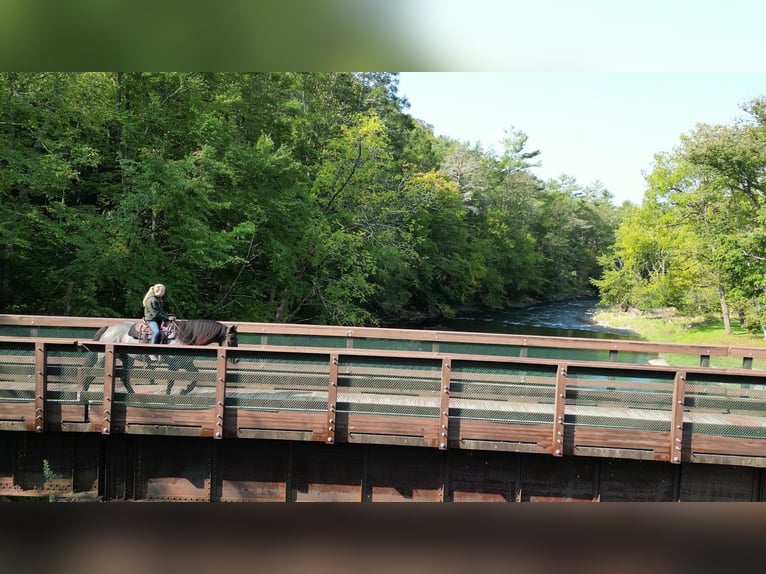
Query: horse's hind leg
x=92, y=361
x=189, y=388
x=127, y=365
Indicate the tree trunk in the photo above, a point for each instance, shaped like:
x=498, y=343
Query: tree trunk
x=724, y=310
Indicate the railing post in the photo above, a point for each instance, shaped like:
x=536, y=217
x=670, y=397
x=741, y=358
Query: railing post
x=677, y=417
x=559, y=403
x=41, y=355
x=109, y=365
x=220, y=393
x=444, y=405
x=332, y=399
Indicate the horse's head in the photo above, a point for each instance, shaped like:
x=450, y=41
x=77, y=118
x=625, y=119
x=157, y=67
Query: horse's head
x=231, y=339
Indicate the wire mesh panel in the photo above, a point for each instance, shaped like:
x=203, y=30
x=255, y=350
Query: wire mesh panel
x=66, y=397
x=394, y=344
x=174, y=378
x=46, y=331
x=278, y=382
x=17, y=377
x=503, y=392
x=726, y=405
x=297, y=340
x=391, y=386
x=617, y=399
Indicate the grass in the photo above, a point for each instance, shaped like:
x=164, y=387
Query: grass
x=666, y=326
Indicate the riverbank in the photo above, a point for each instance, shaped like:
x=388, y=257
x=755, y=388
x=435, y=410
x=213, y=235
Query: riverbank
x=667, y=326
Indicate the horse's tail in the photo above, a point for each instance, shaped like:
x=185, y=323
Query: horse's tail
x=100, y=332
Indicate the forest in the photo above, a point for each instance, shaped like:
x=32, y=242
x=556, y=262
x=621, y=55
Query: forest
x=316, y=198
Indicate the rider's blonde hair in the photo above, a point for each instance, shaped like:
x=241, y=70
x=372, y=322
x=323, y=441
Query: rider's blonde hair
x=151, y=291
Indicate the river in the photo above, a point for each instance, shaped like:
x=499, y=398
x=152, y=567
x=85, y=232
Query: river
x=573, y=318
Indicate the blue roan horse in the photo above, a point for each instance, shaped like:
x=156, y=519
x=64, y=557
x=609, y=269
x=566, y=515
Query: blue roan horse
x=191, y=332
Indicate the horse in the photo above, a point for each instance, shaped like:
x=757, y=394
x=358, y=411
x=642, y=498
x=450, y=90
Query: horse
x=177, y=332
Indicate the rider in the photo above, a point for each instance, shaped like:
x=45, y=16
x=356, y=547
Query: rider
x=154, y=314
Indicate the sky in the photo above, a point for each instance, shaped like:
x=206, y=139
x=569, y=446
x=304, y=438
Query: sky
x=593, y=126
x=598, y=86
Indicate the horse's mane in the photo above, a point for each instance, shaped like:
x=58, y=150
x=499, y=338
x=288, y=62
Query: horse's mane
x=199, y=331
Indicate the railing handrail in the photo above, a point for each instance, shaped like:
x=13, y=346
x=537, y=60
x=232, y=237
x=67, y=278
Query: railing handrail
x=424, y=336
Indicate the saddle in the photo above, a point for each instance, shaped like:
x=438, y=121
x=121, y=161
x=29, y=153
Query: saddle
x=143, y=332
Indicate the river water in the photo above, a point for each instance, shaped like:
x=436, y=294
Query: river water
x=573, y=318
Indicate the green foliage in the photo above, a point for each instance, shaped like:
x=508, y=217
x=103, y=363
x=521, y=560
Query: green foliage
x=273, y=197
x=697, y=242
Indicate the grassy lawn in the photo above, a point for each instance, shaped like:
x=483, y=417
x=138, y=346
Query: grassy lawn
x=666, y=326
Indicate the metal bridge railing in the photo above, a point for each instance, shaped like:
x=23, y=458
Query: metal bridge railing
x=418, y=398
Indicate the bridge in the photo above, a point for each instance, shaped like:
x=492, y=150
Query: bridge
x=328, y=413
